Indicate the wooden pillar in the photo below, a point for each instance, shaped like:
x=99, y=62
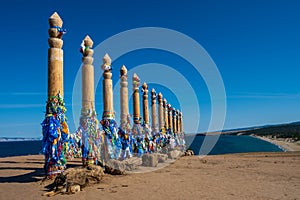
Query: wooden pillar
x=145, y=104
x=153, y=110
x=165, y=108
x=170, y=118
x=136, y=99
x=124, y=96
x=88, y=92
x=174, y=121
x=181, y=119
x=160, y=111
x=108, y=107
x=55, y=57
x=177, y=121
x=55, y=118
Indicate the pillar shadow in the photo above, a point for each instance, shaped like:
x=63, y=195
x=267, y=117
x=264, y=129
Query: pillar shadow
x=36, y=175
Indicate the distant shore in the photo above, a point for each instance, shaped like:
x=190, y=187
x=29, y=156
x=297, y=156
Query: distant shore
x=285, y=144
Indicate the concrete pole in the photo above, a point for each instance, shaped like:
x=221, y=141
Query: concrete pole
x=170, y=119
x=88, y=92
x=108, y=107
x=174, y=121
x=160, y=111
x=153, y=110
x=165, y=108
x=136, y=99
x=55, y=57
x=124, y=96
x=145, y=104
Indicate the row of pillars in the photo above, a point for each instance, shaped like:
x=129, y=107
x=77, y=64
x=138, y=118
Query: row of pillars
x=168, y=118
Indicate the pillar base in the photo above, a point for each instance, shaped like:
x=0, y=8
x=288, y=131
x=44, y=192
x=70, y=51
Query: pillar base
x=55, y=143
x=112, y=143
x=91, y=140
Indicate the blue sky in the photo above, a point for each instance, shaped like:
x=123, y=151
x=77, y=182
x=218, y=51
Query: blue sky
x=255, y=45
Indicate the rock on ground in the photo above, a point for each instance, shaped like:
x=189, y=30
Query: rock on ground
x=132, y=163
x=162, y=157
x=189, y=152
x=73, y=179
x=174, y=154
x=115, y=167
x=149, y=160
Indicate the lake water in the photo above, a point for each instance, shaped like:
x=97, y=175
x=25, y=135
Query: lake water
x=225, y=144
x=19, y=148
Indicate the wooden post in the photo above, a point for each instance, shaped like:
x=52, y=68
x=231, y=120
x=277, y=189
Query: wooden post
x=153, y=110
x=88, y=92
x=145, y=104
x=88, y=120
x=177, y=121
x=55, y=141
x=170, y=118
x=165, y=108
x=124, y=96
x=174, y=121
x=136, y=99
x=181, y=119
x=55, y=57
x=108, y=107
x=160, y=111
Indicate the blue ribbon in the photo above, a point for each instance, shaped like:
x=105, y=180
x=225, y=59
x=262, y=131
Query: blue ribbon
x=59, y=29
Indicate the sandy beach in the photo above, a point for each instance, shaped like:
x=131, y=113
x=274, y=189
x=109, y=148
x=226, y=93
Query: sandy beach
x=235, y=176
x=281, y=142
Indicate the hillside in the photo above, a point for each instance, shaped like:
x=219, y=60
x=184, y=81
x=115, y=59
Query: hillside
x=291, y=130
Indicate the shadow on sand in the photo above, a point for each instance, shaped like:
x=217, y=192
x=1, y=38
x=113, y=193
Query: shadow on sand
x=28, y=170
x=36, y=175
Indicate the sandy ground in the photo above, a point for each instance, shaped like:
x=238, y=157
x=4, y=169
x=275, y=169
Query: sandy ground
x=235, y=176
x=287, y=146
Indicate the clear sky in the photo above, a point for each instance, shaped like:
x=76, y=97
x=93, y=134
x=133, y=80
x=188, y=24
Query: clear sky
x=254, y=43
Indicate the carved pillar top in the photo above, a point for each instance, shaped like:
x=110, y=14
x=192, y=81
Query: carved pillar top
x=169, y=107
x=145, y=103
x=106, y=67
x=153, y=96
x=87, y=51
x=135, y=81
x=123, y=76
x=174, y=111
x=123, y=71
x=55, y=31
x=160, y=98
x=165, y=103
x=145, y=88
